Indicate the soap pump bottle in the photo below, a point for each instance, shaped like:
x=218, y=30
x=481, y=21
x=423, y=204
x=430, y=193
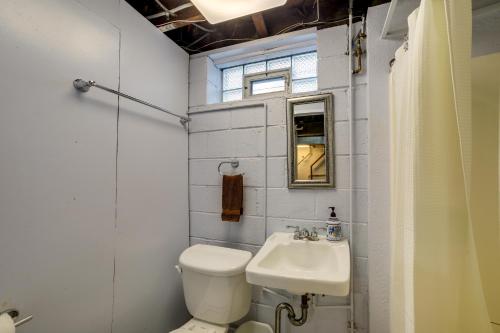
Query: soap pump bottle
x=333, y=227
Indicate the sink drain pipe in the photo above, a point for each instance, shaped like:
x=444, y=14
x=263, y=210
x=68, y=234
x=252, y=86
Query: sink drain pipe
x=304, y=307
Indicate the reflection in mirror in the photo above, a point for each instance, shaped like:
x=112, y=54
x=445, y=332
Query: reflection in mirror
x=310, y=141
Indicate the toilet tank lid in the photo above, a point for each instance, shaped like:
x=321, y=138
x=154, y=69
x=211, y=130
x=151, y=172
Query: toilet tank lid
x=214, y=260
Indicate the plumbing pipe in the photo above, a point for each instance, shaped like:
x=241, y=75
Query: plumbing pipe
x=165, y=9
x=292, y=317
x=265, y=170
x=351, y=167
x=358, y=52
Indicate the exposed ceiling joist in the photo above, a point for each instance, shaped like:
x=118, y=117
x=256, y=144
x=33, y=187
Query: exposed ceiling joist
x=185, y=25
x=260, y=25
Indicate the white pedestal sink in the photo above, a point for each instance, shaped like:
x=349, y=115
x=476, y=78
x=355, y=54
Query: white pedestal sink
x=302, y=266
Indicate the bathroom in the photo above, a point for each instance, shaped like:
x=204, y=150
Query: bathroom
x=108, y=204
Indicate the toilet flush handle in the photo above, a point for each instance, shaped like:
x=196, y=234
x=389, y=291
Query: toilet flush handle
x=178, y=268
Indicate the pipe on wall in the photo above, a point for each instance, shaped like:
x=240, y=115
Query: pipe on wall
x=351, y=167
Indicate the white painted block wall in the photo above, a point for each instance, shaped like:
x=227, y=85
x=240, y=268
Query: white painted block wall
x=223, y=134
x=205, y=82
x=93, y=207
x=379, y=53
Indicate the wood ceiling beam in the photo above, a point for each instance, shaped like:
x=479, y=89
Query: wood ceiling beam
x=260, y=25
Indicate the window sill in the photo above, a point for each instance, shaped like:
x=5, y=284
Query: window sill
x=255, y=100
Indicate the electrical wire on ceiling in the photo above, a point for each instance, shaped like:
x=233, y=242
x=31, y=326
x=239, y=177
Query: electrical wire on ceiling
x=180, y=21
x=170, y=13
x=203, y=28
x=293, y=26
x=188, y=48
x=314, y=22
x=196, y=41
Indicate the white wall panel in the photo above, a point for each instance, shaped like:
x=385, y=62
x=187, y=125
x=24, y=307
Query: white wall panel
x=61, y=248
x=152, y=221
x=57, y=174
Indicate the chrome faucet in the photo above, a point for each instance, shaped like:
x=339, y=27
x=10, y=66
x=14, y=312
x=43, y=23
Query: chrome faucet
x=299, y=234
x=296, y=233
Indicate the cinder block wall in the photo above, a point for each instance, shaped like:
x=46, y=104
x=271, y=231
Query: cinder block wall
x=223, y=134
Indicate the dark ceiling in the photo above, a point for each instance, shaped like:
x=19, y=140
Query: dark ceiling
x=188, y=28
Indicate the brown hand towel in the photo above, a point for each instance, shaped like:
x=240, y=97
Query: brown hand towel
x=232, y=198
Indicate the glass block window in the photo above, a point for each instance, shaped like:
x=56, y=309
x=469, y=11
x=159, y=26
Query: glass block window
x=304, y=66
x=280, y=63
x=256, y=67
x=303, y=69
x=232, y=84
x=232, y=78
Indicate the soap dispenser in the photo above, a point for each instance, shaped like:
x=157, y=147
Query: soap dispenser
x=333, y=227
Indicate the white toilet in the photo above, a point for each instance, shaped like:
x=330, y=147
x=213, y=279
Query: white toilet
x=215, y=287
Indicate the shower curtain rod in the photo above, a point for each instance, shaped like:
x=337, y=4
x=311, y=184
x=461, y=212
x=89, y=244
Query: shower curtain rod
x=84, y=86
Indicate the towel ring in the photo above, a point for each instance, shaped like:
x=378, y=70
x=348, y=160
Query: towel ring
x=234, y=165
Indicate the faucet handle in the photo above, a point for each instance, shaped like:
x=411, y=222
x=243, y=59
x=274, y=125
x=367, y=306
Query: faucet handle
x=296, y=232
x=314, y=234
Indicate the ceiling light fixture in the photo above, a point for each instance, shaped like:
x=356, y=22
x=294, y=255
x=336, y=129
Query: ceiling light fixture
x=216, y=11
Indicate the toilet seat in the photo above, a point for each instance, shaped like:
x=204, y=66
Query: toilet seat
x=198, y=326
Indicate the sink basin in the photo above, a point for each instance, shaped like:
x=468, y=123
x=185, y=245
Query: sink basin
x=302, y=266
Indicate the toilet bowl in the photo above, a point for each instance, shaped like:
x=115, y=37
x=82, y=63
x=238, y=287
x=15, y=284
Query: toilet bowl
x=199, y=326
x=215, y=288
x=254, y=327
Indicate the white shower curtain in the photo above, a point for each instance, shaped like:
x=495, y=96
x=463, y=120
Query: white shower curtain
x=435, y=278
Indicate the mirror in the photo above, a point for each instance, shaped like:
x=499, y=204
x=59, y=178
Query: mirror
x=310, y=141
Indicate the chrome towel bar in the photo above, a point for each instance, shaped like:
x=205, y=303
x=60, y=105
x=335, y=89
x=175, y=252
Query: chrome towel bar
x=84, y=86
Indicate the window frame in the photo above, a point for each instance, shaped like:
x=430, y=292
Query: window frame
x=289, y=69
x=279, y=73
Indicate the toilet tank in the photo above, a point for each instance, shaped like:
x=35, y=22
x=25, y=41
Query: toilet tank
x=215, y=287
